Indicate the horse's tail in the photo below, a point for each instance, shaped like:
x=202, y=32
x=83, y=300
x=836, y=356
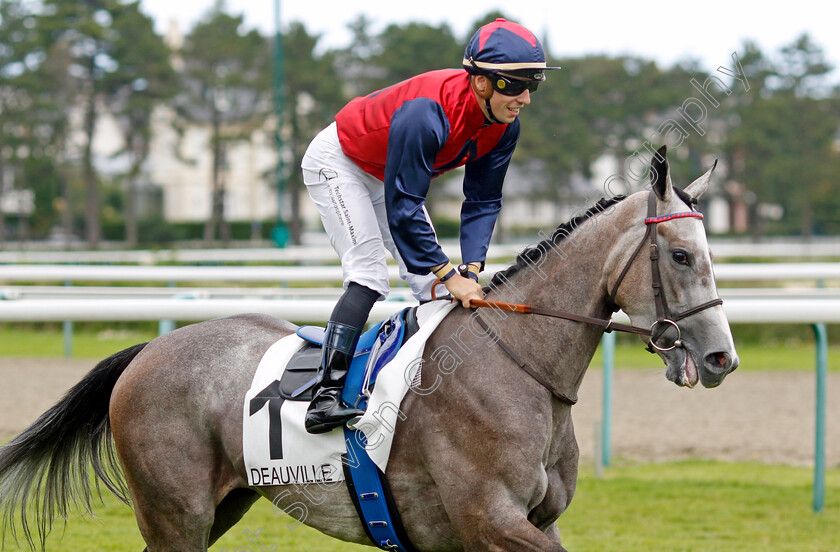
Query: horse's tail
x=45, y=470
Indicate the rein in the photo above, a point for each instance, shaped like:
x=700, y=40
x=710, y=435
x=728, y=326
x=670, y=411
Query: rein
x=607, y=324
x=664, y=317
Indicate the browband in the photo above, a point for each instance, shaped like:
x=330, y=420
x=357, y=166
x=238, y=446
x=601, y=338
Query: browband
x=671, y=216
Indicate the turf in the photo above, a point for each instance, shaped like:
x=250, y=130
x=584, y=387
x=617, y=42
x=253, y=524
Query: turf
x=702, y=506
x=49, y=342
x=690, y=506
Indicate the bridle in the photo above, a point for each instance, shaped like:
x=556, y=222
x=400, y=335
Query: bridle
x=664, y=317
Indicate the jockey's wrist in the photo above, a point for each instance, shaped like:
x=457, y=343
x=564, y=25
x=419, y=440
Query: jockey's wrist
x=448, y=275
x=444, y=271
x=468, y=272
x=474, y=268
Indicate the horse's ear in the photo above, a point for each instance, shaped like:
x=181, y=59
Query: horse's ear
x=660, y=176
x=699, y=186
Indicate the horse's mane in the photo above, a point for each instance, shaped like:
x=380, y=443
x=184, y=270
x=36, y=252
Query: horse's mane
x=533, y=254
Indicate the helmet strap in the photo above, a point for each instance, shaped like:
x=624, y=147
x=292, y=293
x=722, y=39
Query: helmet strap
x=490, y=112
x=486, y=97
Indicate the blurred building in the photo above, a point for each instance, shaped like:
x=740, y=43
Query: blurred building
x=181, y=163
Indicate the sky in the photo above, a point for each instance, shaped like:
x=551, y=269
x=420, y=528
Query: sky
x=708, y=31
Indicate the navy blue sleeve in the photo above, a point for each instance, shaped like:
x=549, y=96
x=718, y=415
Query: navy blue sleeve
x=419, y=128
x=483, y=191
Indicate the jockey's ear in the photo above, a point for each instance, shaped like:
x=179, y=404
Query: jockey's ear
x=660, y=175
x=699, y=186
x=481, y=85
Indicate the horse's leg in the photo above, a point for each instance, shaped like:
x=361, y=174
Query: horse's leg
x=494, y=492
x=485, y=512
x=553, y=533
x=503, y=527
x=173, y=500
x=231, y=510
x=227, y=514
x=171, y=458
x=511, y=521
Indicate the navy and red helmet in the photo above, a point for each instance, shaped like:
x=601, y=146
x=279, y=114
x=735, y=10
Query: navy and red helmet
x=508, y=48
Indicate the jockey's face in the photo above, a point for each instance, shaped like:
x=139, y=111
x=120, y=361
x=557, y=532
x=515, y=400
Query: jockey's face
x=504, y=108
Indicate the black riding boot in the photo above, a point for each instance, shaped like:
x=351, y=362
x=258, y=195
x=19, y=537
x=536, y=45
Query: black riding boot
x=327, y=409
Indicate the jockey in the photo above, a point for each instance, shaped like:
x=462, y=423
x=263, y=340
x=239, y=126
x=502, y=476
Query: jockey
x=370, y=170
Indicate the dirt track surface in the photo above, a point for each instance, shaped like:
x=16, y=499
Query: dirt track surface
x=766, y=417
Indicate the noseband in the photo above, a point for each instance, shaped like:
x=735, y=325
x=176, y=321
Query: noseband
x=664, y=317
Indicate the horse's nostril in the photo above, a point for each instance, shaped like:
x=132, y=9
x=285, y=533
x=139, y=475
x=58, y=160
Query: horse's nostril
x=718, y=360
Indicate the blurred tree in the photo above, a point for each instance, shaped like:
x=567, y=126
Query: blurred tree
x=488, y=17
x=313, y=96
x=593, y=106
x=556, y=132
x=226, y=84
x=146, y=79
x=61, y=61
x=353, y=64
x=783, y=146
x=36, y=94
x=757, y=68
x=802, y=69
x=13, y=99
x=826, y=189
x=399, y=52
x=414, y=48
x=83, y=30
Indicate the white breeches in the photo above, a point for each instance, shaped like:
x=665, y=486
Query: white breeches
x=352, y=207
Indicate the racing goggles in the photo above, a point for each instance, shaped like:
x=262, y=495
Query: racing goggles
x=513, y=87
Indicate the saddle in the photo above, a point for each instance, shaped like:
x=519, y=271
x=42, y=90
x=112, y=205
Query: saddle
x=375, y=349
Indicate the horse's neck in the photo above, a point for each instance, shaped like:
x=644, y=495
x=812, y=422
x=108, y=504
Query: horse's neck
x=571, y=277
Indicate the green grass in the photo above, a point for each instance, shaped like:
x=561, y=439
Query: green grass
x=703, y=507
x=49, y=341
x=754, y=357
x=692, y=506
x=101, y=342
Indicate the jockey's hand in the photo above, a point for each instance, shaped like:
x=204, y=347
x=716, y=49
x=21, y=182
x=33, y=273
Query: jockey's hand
x=464, y=289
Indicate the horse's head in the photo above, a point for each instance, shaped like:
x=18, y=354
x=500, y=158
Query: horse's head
x=690, y=330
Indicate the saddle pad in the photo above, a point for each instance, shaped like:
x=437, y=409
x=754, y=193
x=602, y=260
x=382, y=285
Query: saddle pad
x=276, y=447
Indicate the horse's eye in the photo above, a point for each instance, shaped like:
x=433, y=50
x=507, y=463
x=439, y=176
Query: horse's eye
x=680, y=257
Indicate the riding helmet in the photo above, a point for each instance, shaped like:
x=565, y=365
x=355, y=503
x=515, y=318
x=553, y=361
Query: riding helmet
x=506, y=47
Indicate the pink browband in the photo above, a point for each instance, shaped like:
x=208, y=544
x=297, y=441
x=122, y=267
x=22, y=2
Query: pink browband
x=663, y=218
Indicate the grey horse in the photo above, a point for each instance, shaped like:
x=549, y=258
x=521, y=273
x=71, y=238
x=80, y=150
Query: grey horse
x=486, y=458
